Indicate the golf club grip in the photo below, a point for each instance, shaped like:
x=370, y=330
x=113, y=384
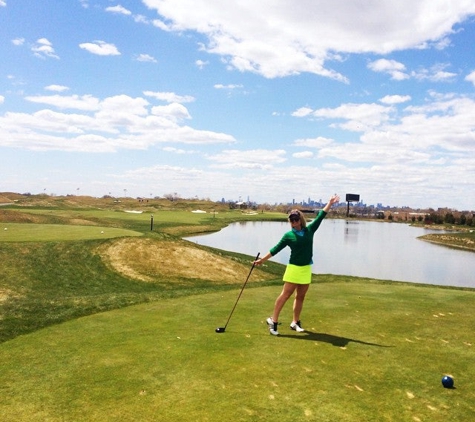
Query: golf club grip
x=253, y=265
x=250, y=271
x=240, y=293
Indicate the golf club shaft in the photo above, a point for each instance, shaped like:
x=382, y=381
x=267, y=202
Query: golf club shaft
x=242, y=289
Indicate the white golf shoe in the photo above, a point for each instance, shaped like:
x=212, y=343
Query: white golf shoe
x=272, y=326
x=296, y=326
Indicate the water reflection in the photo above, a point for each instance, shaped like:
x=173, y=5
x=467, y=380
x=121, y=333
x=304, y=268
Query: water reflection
x=351, y=231
x=388, y=251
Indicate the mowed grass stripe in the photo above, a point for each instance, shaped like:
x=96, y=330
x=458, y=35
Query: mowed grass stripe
x=373, y=352
x=17, y=232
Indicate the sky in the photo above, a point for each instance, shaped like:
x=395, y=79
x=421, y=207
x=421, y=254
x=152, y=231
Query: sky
x=271, y=101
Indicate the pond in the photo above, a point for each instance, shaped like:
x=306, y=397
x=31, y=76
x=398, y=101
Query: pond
x=387, y=251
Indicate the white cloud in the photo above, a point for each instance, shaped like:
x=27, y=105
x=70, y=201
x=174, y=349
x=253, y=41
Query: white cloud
x=357, y=116
x=18, y=41
x=85, y=102
x=118, y=9
x=440, y=132
x=201, y=63
x=318, y=142
x=252, y=159
x=398, y=71
x=141, y=19
x=161, y=25
x=284, y=39
x=107, y=125
x=303, y=154
x=302, y=112
x=173, y=111
x=471, y=77
x=395, y=99
x=43, y=49
x=170, y=97
x=2, y=99
x=436, y=73
x=57, y=88
x=185, y=181
x=101, y=48
x=229, y=87
x=178, y=150
x=442, y=76
x=370, y=153
x=3, y=3
x=395, y=69
x=146, y=58
x=123, y=103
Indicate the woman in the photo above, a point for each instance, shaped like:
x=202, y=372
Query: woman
x=298, y=273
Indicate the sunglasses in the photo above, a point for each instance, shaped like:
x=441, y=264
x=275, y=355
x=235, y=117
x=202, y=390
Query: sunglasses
x=294, y=218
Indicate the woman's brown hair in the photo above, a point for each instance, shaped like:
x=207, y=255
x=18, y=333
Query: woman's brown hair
x=303, y=222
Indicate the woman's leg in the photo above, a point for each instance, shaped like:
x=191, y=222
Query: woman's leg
x=299, y=298
x=287, y=291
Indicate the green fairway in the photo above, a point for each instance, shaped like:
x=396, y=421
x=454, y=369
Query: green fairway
x=17, y=232
x=372, y=352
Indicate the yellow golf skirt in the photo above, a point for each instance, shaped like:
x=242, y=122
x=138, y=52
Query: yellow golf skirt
x=298, y=274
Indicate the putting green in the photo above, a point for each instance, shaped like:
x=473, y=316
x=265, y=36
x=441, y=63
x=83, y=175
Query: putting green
x=372, y=352
x=17, y=232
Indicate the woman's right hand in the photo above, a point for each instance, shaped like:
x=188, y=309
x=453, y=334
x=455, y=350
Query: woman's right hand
x=260, y=261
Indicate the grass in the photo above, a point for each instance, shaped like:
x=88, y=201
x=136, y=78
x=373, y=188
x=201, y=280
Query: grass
x=44, y=283
x=92, y=328
x=464, y=240
x=163, y=360
x=17, y=232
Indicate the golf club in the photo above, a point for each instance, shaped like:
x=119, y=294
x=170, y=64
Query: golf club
x=223, y=329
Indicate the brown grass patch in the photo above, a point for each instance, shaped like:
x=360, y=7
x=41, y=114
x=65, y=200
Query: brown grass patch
x=188, y=230
x=6, y=294
x=448, y=240
x=5, y=200
x=149, y=260
x=3, y=295
x=8, y=216
x=82, y=222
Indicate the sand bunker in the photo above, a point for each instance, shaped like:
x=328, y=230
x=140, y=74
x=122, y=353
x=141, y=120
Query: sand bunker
x=148, y=260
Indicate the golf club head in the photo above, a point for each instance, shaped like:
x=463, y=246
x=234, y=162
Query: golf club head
x=220, y=329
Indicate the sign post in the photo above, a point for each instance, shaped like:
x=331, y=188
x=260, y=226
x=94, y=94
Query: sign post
x=351, y=197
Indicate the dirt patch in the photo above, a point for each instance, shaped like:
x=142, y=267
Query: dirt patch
x=149, y=260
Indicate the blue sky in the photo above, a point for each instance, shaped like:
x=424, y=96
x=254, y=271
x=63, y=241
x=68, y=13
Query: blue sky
x=268, y=100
